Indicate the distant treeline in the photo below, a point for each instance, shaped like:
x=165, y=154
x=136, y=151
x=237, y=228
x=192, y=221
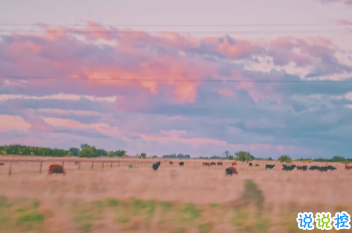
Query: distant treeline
x=88, y=151
x=334, y=159
x=32, y=150
x=179, y=156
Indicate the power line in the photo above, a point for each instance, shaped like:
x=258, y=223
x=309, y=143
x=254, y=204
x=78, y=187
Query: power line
x=178, y=80
x=111, y=32
x=175, y=25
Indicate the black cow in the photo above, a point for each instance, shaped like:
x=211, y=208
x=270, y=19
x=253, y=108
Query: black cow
x=288, y=168
x=331, y=168
x=156, y=166
x=212, y=163
x=314, y=168
x=250, y=164
x=58, y=170
x=269, y=166
x=229, y=171
x=2, y=164
x=302, y=168
x=257, y=165
x=182, y=164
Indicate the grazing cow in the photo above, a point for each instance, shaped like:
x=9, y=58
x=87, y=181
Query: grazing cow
x=269, y=166
x=331, y=168
x=347, y=167
x=55, y=168
x=76, y=162
x=234, y=163
x=288, y=168
x=219, y=163
x=171, y=162
x=257, y=165
x=156, y=165
x=212, y=163
x=231, y=171
x=302, y=168
x=181, y=164
x=250, y=164
x=314, y=168
x=206, y=164
x=2, y=164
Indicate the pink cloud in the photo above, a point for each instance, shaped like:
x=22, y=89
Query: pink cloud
x=102, y=128
x=10, y=122
x=140, y=58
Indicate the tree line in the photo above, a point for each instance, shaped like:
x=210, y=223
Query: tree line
x=88, y=151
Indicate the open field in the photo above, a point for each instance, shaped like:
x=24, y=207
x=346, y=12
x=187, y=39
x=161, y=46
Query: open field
x=192, y=185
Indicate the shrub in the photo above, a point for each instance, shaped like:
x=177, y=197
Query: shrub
x=34, y=216
x=112, y=201
x=251, y=194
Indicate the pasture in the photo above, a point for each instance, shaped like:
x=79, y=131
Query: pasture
x=202, y=191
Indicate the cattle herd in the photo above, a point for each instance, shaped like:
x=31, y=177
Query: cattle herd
x=232, y=170
x=58, y=169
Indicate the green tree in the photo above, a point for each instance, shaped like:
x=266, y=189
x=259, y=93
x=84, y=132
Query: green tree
x=338, y=158
x=121, y=153
x=285, y=158
x=74, y=151
x=230, y=157
x=143, y=155
x=244, y=156
x=70, y=153
x=111, y=154
x=271, y=159
x=88, y=151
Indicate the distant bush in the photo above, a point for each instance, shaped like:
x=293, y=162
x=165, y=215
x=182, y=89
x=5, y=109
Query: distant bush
x=285, y=158
x=130, y=165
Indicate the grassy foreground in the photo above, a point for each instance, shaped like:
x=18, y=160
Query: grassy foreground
x=247, y=214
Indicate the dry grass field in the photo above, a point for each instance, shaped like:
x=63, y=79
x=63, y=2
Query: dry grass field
x=185, y=199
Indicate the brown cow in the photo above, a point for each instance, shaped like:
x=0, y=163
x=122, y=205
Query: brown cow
x=347, y=167
x=206, y=164
x=231, y=171
x=171, y=162
x=234, y=163
x=219, y=163
x=55, y=168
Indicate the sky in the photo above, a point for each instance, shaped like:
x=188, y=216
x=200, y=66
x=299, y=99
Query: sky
x=195, y=77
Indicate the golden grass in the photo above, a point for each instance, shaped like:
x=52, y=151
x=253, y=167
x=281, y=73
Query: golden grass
x=173, y=199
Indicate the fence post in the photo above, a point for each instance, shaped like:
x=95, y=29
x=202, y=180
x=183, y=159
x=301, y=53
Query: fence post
x=10, y=168
x=79, y=165
x=102, y=165
x=92, y=165
x=62, y=164
x=40, y=169
x=111, y=164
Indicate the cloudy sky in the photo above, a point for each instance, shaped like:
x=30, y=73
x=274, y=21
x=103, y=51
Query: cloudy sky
x=199, y=77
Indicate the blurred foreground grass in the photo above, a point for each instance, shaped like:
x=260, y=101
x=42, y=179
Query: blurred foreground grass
x=246, y=215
